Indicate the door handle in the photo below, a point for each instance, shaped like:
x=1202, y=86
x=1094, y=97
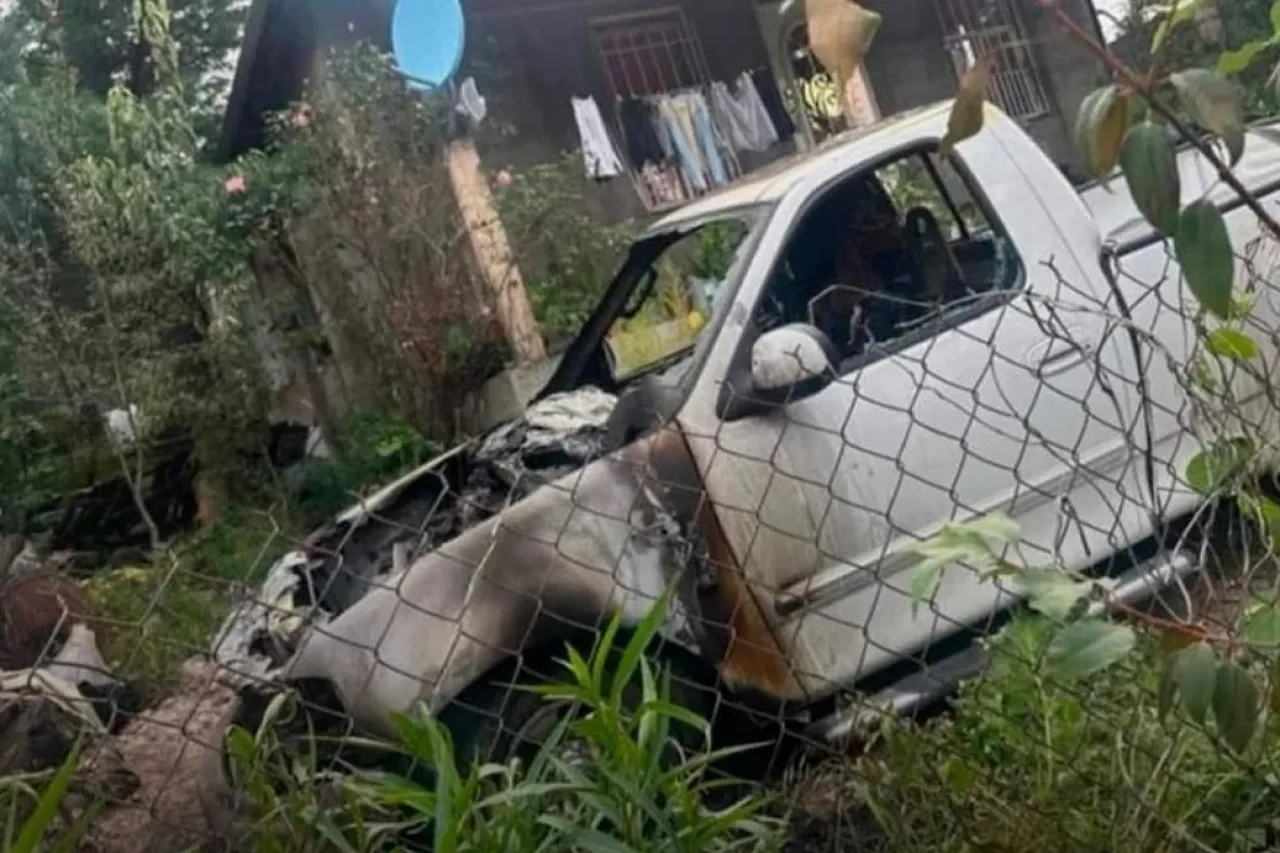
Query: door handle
x=1058, y=355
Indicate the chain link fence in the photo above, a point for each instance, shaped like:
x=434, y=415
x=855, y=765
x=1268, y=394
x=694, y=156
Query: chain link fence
x=840, y=583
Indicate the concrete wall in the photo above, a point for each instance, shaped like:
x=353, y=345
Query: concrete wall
x=1069, y=73
x=906, y=65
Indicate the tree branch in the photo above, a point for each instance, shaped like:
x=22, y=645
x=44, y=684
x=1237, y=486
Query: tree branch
x=1146, y=87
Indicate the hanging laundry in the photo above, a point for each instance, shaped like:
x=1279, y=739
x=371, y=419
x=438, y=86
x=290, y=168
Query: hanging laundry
x=598, y=154
x=639, y=118
x=767, y=88
x=662, y=184
x=680, y=138
x=741, y=113
x=757, y=112
x=470, y=102
x=708, y=137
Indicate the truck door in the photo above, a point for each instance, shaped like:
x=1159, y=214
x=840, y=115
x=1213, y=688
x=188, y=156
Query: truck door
x=997, y=387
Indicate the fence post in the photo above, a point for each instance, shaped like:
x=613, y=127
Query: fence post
x=493, y=252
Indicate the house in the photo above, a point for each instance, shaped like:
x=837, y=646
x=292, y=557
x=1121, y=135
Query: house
x=531, y=58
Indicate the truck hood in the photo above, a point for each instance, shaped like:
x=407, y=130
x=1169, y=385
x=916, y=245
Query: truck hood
x=338, y=564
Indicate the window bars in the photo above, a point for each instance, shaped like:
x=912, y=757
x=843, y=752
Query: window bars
x=975, y=28
x=651, y=53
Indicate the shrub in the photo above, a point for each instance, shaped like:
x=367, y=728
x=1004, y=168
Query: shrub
x=374, y=244
x=1027, y=762
x=566, y=255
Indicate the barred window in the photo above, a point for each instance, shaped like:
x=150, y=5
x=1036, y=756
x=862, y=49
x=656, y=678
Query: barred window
x=649, y=53
x=977, y=28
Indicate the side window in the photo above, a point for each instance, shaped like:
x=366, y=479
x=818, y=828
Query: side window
x=891, y=255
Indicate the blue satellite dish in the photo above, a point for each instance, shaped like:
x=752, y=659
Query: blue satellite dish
x=427, y=40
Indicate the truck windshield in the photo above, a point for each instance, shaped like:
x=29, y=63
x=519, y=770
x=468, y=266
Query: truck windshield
x=676, y=296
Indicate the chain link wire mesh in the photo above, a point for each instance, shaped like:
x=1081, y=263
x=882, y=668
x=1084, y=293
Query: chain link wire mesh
x=796, y=619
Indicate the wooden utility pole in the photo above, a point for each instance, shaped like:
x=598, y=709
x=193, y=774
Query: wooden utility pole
x=493, y=252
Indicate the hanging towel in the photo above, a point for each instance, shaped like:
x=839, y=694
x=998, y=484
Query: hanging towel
x=470, y=102
x=767, y=88
x=742, y=115
x=638, y=131
x=598, y=155
x=764, y=133
x=729, y=117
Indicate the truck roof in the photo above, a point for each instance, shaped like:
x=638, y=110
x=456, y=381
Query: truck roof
x=773, y=181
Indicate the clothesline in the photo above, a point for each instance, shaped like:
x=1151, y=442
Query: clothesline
x=685, y=142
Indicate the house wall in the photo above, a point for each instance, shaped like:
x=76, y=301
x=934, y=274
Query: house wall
x=530, y=57
x=908, y=67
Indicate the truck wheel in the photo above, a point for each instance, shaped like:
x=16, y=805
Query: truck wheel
x=495, y=720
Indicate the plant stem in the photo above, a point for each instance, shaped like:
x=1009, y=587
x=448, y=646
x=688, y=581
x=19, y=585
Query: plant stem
x=1147, y=88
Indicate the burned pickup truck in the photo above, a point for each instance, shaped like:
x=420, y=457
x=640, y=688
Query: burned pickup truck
x=871, y=341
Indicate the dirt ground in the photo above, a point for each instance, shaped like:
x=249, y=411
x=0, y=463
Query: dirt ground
x=165, y=747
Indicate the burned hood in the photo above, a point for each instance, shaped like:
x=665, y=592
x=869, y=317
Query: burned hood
x=335, y=567
x=595, y=542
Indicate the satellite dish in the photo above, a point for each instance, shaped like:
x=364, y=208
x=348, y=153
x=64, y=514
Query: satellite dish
x=427, y=38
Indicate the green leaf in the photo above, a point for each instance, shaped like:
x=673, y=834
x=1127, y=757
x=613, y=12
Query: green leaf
x=33, y=832
x=1232, y=344
x=1235, y=61
x=1266, y=512
x=1217, y=465
x=994, y=527
x=1273, y=686
x=1167, y=689
x=1235, y=705
x=959, y=774
x=974, y=542
x=1150, y=167
x=1203, y=248
x=1089, y=646
x=1053, y=593
x=1214, y=103
x=1185, y=12
x=1195, y=669
x=1100, y=128
x=641, y=636
x=1262, y=626
x=925, y=581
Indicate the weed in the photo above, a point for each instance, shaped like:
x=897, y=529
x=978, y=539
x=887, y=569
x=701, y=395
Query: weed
x=159, y=616
x=32, y=811
x=613, y=776
x=1026, y=762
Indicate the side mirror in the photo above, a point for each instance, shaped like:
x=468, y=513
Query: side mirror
x=788, y=363
x=792, y=358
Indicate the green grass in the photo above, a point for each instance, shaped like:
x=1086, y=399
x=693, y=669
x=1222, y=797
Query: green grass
x=159, y=616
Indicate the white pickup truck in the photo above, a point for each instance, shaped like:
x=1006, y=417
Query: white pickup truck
x=855, y=347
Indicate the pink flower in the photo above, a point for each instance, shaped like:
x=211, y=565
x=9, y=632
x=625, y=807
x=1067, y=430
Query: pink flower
x=301, y=116
x=235, y=184
x=505, y=178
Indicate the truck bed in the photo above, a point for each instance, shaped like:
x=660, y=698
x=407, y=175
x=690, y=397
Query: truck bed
x=1119, y=221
